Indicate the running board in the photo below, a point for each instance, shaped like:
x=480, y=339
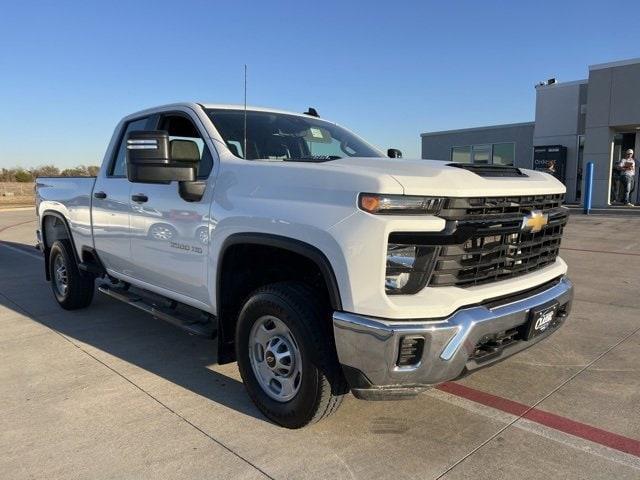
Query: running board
x=187, y=318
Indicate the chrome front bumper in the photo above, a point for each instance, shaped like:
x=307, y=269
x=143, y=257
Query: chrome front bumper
x=368, y=347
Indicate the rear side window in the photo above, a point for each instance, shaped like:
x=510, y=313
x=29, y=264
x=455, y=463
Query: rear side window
x=119, y=165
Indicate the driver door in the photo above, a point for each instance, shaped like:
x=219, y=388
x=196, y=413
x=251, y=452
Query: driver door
x=169, y=235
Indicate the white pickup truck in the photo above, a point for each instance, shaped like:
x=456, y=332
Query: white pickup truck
x=321, y=265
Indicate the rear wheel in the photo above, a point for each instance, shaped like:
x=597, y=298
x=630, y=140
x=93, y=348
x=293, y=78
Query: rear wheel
x=286, y=355
x=72, y=289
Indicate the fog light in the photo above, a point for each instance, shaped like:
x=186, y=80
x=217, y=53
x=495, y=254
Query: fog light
x=396, y=281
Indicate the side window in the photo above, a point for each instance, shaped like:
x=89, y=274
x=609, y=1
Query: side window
x=181, y=127
x=118, y=166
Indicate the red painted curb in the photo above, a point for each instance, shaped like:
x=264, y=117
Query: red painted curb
x=563, y=424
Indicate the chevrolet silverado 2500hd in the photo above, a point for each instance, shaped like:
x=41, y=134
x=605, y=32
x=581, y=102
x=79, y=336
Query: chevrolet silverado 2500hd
x=321, y=265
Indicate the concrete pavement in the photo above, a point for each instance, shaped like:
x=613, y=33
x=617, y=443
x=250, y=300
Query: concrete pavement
x=109, y=392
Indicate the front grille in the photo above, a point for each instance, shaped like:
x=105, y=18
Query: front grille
x=498, y=248
x=483, y=208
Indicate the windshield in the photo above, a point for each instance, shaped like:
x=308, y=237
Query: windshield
x=280, y=136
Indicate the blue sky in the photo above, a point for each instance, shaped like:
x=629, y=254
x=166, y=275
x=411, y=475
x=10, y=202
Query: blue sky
x=387, y=70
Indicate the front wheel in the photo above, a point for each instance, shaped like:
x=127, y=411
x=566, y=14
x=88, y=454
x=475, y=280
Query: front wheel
x=72, y=289
x=286, y=356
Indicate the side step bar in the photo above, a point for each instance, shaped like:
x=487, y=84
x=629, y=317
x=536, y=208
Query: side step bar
x=190, y=319
x=91, y=268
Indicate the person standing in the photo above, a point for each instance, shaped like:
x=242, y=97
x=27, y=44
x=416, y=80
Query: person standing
x=627, y=167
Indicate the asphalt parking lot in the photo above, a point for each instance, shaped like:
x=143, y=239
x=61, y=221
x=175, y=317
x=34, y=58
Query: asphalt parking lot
x=109, y=392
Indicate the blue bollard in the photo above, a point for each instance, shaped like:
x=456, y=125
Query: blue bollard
x=588, y=188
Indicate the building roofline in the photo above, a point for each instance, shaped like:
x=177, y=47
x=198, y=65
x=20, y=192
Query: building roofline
x=564, y=84
x=472, y=129
x=619, y=63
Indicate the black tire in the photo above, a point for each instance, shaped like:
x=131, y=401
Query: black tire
x=79, y=287
x=322, y=385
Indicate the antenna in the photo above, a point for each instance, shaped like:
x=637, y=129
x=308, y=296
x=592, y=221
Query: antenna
x=244, y=146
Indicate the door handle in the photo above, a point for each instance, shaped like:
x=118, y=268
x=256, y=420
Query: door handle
x=100, y=195
x=140, y=198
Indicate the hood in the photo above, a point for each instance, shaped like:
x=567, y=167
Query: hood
x=435, y=178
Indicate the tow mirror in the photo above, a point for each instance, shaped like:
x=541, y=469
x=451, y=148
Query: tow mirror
x=149, y=158
x=394, y=153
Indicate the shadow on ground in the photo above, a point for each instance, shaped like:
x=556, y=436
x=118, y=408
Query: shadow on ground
x=120, y=331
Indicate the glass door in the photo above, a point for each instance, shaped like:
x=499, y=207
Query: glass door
x=621, y=142
x=579, y=167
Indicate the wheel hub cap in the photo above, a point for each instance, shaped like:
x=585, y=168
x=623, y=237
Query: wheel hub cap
x=275, y=358
x=60, y=275
x=271, y=359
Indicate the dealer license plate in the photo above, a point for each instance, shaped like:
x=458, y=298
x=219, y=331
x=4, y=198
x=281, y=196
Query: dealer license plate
x=541, y=319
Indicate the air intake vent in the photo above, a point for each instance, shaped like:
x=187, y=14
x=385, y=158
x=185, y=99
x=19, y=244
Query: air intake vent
x=410, y=351
x=490, y=170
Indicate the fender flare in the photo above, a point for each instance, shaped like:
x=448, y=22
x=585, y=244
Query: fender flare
x=285, y=243
x=45, y=250
x=226, y=351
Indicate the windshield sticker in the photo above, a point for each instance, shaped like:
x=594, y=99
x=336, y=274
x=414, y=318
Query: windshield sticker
x=316, y=132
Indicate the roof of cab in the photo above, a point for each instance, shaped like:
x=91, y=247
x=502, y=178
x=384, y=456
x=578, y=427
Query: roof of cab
x=220, y=106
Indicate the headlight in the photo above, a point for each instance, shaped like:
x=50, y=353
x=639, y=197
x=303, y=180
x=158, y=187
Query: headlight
x=381, y=204
x=408, y=268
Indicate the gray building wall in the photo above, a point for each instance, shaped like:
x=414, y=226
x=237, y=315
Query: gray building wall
x=613, y=105
x=437, y=145
x=598, y=108
x=559, y=121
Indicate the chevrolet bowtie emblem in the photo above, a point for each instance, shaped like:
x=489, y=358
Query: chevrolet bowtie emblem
x=535, y=221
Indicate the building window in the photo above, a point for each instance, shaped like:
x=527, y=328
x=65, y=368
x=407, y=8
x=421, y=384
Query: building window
x=461, y=154
x=504, y=153
x=481, y=154
x=485, y=154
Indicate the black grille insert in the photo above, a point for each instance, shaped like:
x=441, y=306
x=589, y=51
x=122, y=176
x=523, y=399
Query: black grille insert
x=498, y=248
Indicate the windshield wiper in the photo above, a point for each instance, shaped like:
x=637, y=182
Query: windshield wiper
x=313, y=158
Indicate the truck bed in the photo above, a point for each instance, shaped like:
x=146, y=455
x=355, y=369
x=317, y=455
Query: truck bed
x=71, y=198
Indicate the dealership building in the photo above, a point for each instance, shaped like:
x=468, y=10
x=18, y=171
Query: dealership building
x=591, y=120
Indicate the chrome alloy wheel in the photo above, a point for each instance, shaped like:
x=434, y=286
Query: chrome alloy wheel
x=60, y=276
x=275, y=358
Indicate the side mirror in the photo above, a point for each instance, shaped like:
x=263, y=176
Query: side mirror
x=394, y=153
x=150, y=159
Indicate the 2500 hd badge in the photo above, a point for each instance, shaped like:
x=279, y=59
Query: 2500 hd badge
x=185, y=247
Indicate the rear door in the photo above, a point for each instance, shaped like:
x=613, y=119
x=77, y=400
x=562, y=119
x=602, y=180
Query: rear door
x=169, y=235
x=111, y=205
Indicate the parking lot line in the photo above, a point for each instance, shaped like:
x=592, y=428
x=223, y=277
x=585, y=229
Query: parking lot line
x=593, y=434
x=632, y=254
x=6, y=227
x=529, y=426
